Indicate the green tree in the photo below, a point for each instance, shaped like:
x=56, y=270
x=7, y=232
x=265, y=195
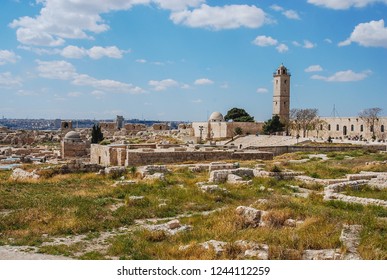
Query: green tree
x=238, y=115
x=96, y=134
x=273, y=125
x=238, y=131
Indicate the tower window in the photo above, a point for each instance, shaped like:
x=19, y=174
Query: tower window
x=285, y=82
x=352, y=127
x=337, y=127
x=361, y=128
x=329, y=127
x=382, y=128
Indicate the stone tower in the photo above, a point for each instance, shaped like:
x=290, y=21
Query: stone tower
x=281, y=93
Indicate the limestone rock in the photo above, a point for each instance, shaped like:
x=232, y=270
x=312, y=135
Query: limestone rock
x=327, y=254
x=155, y=176
x=250, y=216
x=20, y=174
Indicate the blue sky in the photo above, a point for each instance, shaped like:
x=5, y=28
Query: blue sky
x=182, y=60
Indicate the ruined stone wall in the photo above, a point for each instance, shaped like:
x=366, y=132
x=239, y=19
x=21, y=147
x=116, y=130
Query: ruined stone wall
x=108, y=125
x=247, y=128
x=74, y=149
x=160, y=126
x=132, y=127
x=135, y=158
x=100, y=154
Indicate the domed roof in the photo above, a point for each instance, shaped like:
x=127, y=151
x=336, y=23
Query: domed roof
x=72, y=135
x=216, y=117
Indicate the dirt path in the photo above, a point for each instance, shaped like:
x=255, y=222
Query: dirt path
x=18, y=253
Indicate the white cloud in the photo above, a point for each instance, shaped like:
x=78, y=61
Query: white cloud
x=291, y=14
x=178, y=5
x=58, y=70
x=314, y=68
x=197, y=101
x=345, y=4
x=218, y=18
x=163, y=84
x=308, y=44
x=99, y=52
x=8, y=57
x=262, y=90
x=60, y=20
x=141, y=61
x=203, y=81
x=7, y=80
x=344, y=76
x=369, y=34
x=281, y=48
x=276, y=8
x=95, y=52
x=327, y=40
x=63, y=70
x=264, y=41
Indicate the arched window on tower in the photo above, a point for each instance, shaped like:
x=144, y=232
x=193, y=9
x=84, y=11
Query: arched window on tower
x=382, y=128
x=361, y=128
x=337, y=127
x=329, y=127
x=352, y=127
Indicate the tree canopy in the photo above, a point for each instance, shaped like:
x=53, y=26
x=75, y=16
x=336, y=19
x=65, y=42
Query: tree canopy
x=96, y=134
x=273, y=125
x=304, y=119
x=238, y=115
x=370, y=116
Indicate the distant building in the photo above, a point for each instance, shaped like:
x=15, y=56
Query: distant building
x=72, y=146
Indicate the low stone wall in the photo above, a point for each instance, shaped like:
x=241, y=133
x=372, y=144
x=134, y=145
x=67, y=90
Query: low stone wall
x=135, y=158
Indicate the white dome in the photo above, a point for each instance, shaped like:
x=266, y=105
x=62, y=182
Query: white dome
x=72, y=135
x=216, y=117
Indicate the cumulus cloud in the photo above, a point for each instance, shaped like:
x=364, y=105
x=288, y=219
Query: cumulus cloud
x=203, y=81
x=57, y=70
x=7, y=81
x=178, y=5
x=63, y=70
x=306, y=44
x=344, y=76
x=281, y=48
x=264, y=41
x=163, y=84
x=314, y=68
x=344, y=4
x=369, y=34
x=291, y=14
x=60, y=20
x=8, y=57
x=95, y=52
x=218, y=18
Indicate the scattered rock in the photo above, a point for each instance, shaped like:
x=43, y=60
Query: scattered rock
x=155, y=176
x=20, y=174
x=326, y=254
x=350, y=237
x=250, y=216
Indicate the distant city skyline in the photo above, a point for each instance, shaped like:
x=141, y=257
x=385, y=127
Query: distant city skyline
x=181, y=60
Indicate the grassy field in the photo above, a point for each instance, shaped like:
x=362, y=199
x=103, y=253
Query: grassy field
x=101, y=220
